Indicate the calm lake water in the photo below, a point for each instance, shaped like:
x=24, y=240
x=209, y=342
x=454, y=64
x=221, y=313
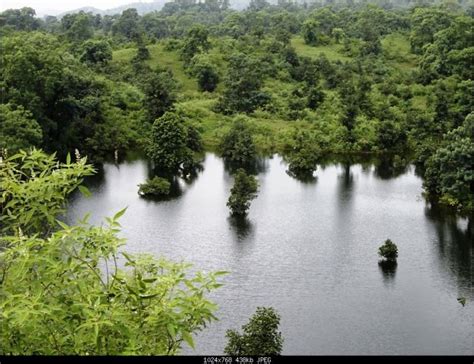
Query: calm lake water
x=310, y=251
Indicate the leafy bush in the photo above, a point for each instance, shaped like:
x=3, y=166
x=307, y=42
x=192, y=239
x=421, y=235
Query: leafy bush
x=244, y=190
x=388, y=251
x=157, y=186
x=18, y=130
x=260, y=335
x=237, y=147
x=33, y=190
x=66, y=295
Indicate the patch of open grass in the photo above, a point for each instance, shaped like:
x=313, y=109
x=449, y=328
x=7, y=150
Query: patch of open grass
x=333, y=51
x=396, y=47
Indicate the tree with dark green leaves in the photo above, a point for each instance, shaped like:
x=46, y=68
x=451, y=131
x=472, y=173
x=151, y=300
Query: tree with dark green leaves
x=302, y=155
x=20, y=19
x=242, y=193
x=205, y=73
x=389, y=251
x=243, y=84
x=169, y=148
x=18, y=130
x=78, y=27
x=128, y=25
x=143, y=53
x=237, y=148
x=449, y=174
x=96, y=52
x=195, y=42
x=260, y=336
x=160, y=94
x=61, y=93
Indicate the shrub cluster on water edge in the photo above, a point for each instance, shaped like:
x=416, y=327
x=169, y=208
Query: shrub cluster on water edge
x=63, y=292
x=157, y=186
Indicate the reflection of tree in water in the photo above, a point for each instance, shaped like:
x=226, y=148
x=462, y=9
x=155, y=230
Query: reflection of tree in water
x=391, y=166
x=304, y=178
x=259, y=165
x=346, y=178
x=97, y=179
x=454, y=244
x=389, y=270
x=176, y=190
x=192, y=174
x=241, y=226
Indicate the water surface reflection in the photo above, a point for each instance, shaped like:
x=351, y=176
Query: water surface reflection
x=310, y=251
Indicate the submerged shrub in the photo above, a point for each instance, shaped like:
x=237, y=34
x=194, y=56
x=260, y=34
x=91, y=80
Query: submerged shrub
x=389, y=251
x=157, y=186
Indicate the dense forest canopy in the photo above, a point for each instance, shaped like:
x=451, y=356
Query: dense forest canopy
x=344, y=77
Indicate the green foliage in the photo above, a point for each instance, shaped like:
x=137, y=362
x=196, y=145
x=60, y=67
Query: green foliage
x=310, y=32
x=74, y=300
x=196, y=41
x=34, y=188
x=242, y=193
x=143, y=54
x=170, y=146
x=206, y=74
x=61, y=94
x=243, y=84
x=237, y=147
x=127, y=26
x=160, y=94
x=17, y=129
x=449, y=174
x=20, y=19
x=157, y=186
x=303, y=152
x=77, y=27
x=388, y=251
x=63, y=293
x=391, y=135
x=96, y=52
x=260, y=335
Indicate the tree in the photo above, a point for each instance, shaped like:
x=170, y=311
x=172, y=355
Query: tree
x=260, y=335
x=449, y=175
x=391, y=135
x=142, y=53
x=315, y=96
x=303, y=153
x=195, y=42
x=388, y=251
x=160, y=94
x=237, y=147
x=128, y=26
x=242, y=83
x=18, y=130
x=169, y=148
x=63, y=292
x=242, y=193
x=310, y=32
x=96, y=52
x=206, y=73
x=77, y=27
x=61, y=93
x=20, y=19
